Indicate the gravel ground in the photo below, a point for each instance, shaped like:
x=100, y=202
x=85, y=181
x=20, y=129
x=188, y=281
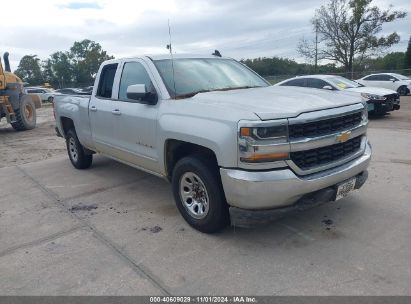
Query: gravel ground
x=33, y=145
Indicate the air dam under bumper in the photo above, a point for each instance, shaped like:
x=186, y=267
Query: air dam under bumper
x=277, y=189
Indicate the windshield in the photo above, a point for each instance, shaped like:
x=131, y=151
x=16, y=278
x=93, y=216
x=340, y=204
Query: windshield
x=196, y=75
x=343, y=83
x=401, y=77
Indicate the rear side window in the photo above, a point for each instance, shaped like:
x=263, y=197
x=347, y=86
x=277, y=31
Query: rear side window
x=387, y=77
x=105, y=86
x=316, y=83
x=294, y=83
x=133, y=73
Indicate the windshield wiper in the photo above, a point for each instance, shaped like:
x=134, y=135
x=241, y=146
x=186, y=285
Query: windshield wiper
x=188, y=95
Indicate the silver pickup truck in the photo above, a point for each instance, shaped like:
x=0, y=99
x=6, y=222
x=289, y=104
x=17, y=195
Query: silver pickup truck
x=233, y=147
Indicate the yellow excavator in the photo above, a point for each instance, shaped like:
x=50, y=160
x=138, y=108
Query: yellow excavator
x=16, y=105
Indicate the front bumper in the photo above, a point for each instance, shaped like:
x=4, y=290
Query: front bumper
x=281, y=188
x=381, y=107
x=251, y=218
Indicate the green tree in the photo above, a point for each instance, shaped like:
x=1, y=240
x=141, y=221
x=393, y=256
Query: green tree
x=29, y=70
x=58, y=69
x=86, y=57
x=407, y=57
x=348, y=31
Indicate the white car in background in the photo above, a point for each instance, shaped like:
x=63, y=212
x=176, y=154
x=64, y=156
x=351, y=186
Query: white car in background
x=396, y=82
x=44, y=93
x=379, y=100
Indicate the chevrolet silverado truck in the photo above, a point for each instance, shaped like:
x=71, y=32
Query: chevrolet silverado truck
x=233, y=147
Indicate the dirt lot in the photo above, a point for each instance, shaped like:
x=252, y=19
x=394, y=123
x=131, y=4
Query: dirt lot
x=114, y=230
x=29, y=146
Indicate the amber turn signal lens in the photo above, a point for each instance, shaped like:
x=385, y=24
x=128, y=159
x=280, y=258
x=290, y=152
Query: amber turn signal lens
x=245, y=131
x=261, y=158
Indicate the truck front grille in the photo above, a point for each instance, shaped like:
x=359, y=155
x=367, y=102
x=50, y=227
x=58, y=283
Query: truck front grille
x=309, y=159
x=325, y=127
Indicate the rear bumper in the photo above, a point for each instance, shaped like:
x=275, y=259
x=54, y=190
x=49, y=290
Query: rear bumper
x=266, y=190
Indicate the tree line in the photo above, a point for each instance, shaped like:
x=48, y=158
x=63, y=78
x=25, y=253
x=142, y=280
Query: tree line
x=282, y=66
x=78, y=66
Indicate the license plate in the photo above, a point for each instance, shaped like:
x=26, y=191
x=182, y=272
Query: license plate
x=345, y=188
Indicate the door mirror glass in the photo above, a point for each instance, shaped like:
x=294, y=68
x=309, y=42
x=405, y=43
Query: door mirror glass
x=328, y=87
x=139, y=92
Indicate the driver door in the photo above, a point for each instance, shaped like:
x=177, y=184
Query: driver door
x=135, y=123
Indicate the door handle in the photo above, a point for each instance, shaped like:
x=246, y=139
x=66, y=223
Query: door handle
x=93, y=109
x=116, y=112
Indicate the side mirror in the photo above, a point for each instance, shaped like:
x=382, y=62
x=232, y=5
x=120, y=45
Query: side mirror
x=393, y=80
x=328, y=87
x=139, y=92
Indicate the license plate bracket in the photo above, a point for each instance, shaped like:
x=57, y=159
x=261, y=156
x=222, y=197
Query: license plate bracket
x=344, y=188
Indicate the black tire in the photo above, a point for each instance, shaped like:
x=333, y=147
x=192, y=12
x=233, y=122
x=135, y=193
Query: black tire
x=26, y=116
x=79, y=159
x=50, y=99
x=217, y=216
x=402, y=90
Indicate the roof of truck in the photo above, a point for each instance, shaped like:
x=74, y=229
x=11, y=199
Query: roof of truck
x=168, y=56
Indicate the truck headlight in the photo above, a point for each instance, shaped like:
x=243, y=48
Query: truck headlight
x=264, y=142
x=277, y=133
x=373, y=96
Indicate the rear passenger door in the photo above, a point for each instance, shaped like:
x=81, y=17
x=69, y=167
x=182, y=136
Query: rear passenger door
x=386, y=81
x=102, y=121
x=135, y=122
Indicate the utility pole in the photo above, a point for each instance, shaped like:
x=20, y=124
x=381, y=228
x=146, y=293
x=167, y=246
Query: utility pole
x=316, y=48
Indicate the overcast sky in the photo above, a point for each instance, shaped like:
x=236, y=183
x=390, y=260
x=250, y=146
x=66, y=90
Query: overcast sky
x=239, y=29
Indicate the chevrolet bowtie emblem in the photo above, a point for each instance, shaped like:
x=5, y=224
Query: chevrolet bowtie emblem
x=343, y=137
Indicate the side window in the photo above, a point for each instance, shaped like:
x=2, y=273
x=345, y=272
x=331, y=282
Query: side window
x=105, y=86
x=316, y=83
x=294, y=83
x=385, y=77
x=133, y=73
x=372, y=78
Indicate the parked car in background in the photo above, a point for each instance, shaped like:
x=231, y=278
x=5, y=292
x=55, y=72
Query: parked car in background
x=44, y=93
x=396, y=82
x=71, y=91
x=379, y=100
x=87, y=90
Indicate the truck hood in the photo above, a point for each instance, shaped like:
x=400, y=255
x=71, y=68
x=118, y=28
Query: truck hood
x=372, y=90
x=277, y=102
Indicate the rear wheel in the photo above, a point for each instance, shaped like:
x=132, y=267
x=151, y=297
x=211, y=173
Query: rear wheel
x=25, y=115
x=199, y=194
x=402, y=90
x=79, y=159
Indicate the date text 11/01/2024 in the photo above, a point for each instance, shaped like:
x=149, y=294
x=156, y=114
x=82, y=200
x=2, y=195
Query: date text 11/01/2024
x=200, y=299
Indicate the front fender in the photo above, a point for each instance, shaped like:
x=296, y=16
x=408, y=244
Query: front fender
x=217, y=135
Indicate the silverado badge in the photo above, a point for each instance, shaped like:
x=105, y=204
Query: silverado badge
x=343, y=136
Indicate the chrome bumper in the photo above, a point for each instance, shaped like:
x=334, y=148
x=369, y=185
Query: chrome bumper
x=282, y=188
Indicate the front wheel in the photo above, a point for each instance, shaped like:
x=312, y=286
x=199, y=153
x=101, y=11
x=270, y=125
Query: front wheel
x=402, y=91
x=25, y=115
x=79, y=159
x=199, y=194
